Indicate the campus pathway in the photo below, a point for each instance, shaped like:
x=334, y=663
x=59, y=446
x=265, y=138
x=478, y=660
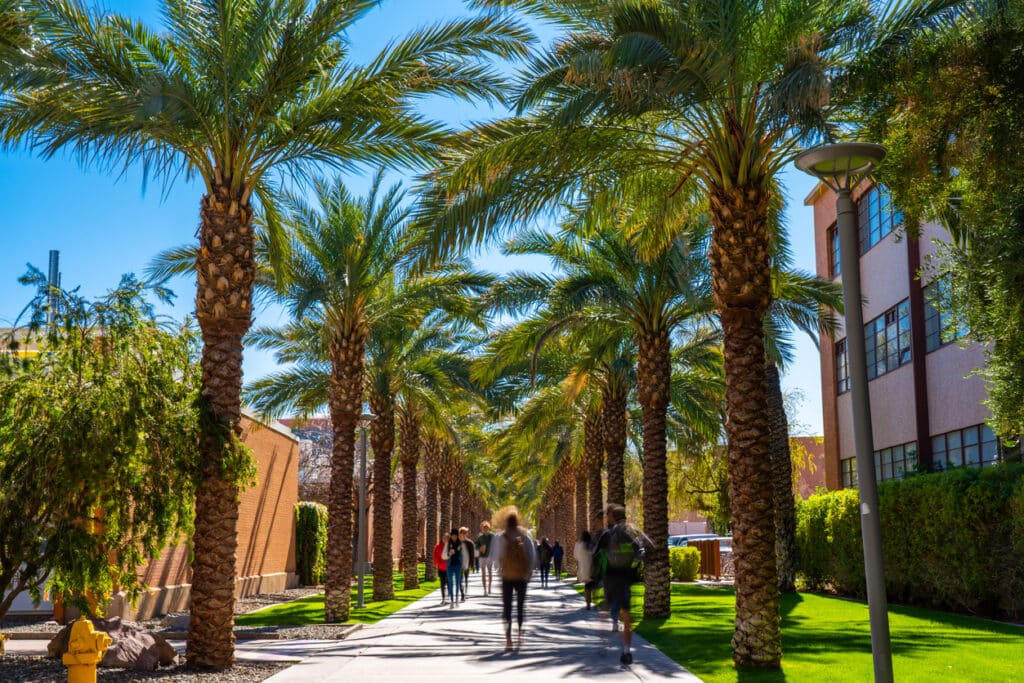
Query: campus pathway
x=429, y=642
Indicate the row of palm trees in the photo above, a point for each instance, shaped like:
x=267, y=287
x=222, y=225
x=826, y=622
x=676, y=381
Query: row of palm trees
x=657, y=129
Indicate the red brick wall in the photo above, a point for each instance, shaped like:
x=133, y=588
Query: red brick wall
x=266, y=527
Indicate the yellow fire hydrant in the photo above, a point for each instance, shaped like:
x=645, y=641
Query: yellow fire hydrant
x=3, y=650
x=86, y=648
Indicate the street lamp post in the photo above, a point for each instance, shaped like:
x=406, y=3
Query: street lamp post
x=841, y=167
x=364, y=420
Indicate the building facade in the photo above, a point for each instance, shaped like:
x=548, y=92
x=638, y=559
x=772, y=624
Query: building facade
x=927, y=407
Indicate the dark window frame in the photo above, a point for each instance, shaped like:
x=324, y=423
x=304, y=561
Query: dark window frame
x=842, y=367
x=973, y=446
x=939, y=329
x=890, y=334
x=876, y=217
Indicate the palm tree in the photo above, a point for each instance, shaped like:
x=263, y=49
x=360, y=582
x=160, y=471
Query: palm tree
x=720, y=97
x=231, y=93
x=606, y=283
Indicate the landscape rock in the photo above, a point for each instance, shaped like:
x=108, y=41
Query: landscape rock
x=175, y=622
x=132, y=647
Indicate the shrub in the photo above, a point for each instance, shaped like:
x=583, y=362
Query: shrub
x=950, y=540
x=310, y=542
x=684, y=563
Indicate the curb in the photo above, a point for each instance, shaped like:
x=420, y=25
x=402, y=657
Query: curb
x=182, y=635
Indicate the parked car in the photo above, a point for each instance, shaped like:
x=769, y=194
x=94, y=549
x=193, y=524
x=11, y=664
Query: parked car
x=683, y=540
x=725, y=544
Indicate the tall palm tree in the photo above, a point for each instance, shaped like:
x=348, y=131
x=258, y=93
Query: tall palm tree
x=720, y=96
x=605, y=282
x=233, y=92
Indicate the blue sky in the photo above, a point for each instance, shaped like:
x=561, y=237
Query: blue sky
x=105, y=225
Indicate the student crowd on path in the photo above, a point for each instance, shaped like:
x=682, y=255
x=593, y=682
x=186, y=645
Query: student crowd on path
x=610, y=559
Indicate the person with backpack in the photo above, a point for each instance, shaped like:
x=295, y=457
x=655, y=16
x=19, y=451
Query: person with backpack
x=515, y=553
x=557, y=553
x=442, y=569
x=544, y=558
x=452, y=554
x=619, y=558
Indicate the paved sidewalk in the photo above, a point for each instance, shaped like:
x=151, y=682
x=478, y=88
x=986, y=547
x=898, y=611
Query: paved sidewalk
x=429, y=642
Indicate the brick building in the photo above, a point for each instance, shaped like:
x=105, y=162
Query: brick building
x=927, y=409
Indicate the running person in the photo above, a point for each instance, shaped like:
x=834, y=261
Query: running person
x=621, y=548
x=516, y=555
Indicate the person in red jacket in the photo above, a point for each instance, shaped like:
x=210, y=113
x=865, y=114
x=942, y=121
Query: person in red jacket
x=442, y=569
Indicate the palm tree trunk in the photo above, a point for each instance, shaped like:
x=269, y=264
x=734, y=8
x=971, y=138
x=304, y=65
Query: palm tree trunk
x=225, y=272
x=382, y=439
x=740, y=267
x=410, y=433
x=782, y=481
x=346, y=406
x=431, y=468
x=654, y=373
x=593, y=448
x=613, y=419
x=446, y=508
x=582, y=507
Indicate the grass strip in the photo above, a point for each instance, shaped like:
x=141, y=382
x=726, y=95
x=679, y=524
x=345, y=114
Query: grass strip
x=310, y=610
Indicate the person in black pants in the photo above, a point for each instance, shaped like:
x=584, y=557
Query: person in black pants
x=517, y=558
x=557, y=553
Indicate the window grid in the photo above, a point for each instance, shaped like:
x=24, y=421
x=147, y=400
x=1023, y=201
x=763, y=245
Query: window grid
x=842, y=368
x=940, y=328
x=975, y=446
x=887, y=340
x=876, y=217
x=849, y=473
x=834, y=266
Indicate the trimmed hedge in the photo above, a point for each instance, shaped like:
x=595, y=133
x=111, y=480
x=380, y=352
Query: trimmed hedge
x=310, y=542
x=950, y=540
x=684, y=563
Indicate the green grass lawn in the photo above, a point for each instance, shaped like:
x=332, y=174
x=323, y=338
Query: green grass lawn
x=310, y=610
x=827, y=639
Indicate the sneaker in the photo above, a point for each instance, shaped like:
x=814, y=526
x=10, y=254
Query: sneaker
x=626, y=658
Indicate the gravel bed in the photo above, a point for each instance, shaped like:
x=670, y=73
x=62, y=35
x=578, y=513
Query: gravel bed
x=26, y=669
x=311, y=632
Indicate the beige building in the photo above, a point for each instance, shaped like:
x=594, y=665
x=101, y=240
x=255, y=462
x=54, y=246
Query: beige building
x=926, y=407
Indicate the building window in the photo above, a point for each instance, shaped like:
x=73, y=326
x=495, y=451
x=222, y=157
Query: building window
x=834, y=266
x=975, y=446
x=849, y=473
x=940, y=327
x=887, y=340
x=895, y=462
x=876, y=217
x=842, y=368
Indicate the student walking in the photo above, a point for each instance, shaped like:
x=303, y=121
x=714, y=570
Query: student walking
x=619, y=552
x=468, y=558
x=442, y=568
x=517, y=557
x=486, y=562
x=557, y=553
x=584, y=565
x=544, y=558
x=453, y=556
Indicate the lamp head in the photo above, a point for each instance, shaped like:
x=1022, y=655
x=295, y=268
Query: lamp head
x=842, y=165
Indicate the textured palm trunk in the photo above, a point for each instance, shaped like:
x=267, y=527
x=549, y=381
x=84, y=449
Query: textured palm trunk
x=457, y=493
x=740, y=267
x=225, y=272
x=382, y=440
x=346, y=406
x=567, y=519
x=613, y=431
x=445, y=522
x=410, y=456
x=582, y=508
x=654, y=373
x=782, y=481
x=593, y=450
x=431, y=469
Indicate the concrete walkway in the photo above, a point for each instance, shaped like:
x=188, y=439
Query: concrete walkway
x=429, y=642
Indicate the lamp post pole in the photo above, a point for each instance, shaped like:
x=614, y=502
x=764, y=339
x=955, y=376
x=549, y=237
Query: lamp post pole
x=841, y=167
x=366, y=418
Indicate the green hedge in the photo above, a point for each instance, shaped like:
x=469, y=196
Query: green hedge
x=951, y=540
x=310, y=542
x=684, y=563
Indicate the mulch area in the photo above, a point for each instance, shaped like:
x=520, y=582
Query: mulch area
x=27, y=669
